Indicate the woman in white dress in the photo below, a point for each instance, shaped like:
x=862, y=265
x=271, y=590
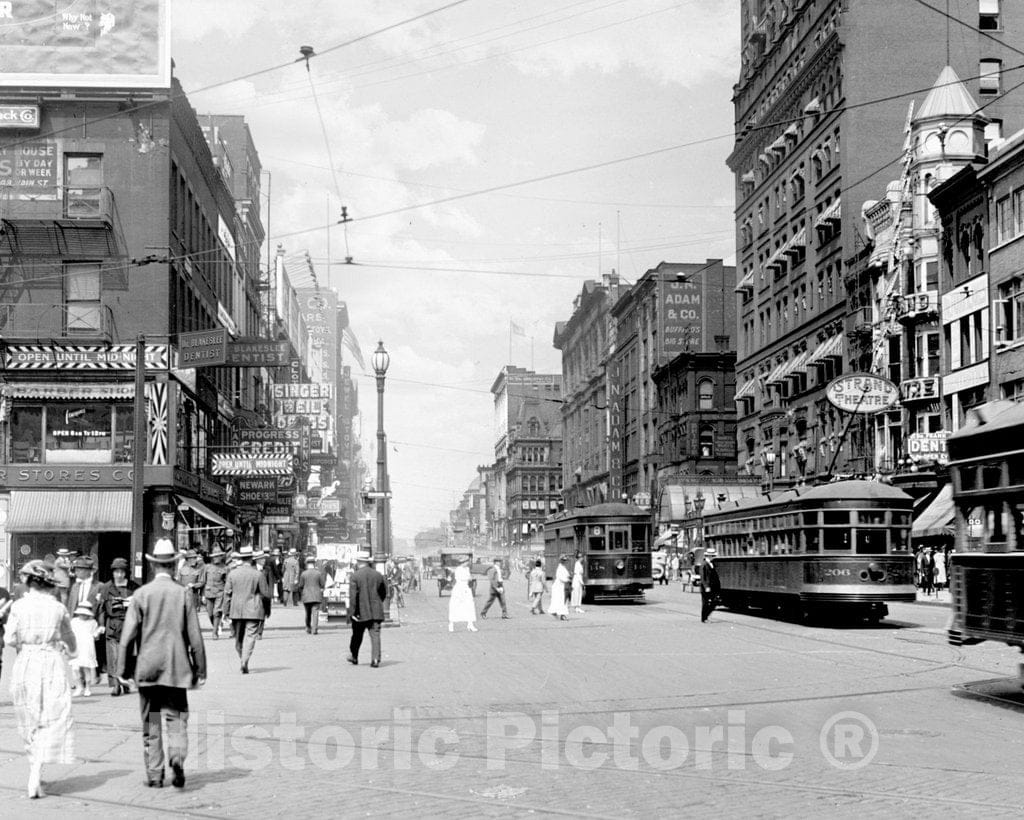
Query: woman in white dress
x=558, y=607
x=84, y=625
x=39, y=629
x=461, y=606
x=577, y=586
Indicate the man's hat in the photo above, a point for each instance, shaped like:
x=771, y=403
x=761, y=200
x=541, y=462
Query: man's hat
x=189, y=554
x=248, y=553
x=64, y=551
x=83, y=562
x=293, y=551
x=163, y=552
x=119, y=563
x=362, y=555
x=310, y=559
x=710, y=552
x=217, y=553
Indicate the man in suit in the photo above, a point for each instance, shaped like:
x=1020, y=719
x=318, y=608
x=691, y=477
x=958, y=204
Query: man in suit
x=161, y=635
x=290, y=576
x=213, y=590
x=710, y=585
x=497, y=589
x=62, y=574
x=85, y=589
x=244, y=591
x=311, y=593
x=367, y=591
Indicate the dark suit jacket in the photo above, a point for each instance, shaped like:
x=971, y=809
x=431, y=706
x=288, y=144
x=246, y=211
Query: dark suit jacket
x=311, y=586
x=244, y=591
x=161, y=632
x=367, y=590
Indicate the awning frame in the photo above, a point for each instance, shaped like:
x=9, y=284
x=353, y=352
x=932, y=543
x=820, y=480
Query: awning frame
x=198, y=507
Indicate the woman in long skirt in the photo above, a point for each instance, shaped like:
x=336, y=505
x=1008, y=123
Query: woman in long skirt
x=461, y=607
x=39, y=628
x=576, y=600
x=558, y=606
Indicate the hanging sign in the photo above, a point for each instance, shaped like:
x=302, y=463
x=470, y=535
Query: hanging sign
x=862, y=393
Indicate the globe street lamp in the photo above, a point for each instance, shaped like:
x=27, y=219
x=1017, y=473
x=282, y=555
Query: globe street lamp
x=381, y=360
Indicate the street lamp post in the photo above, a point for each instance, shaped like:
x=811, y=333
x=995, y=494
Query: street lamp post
x=381, y=360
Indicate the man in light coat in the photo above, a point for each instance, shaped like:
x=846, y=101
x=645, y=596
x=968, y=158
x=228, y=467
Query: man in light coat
x=367, y=591
x=162, y=650
x=497, y=579
x=290, y=577
x=244, y=591
x=311, y=593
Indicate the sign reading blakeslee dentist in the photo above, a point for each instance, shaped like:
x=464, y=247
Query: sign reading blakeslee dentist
x=85, y=43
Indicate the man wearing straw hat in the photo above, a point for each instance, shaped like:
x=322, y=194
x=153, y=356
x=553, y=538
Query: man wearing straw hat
x=367, y=591
x=244, y=591
x=161, y=632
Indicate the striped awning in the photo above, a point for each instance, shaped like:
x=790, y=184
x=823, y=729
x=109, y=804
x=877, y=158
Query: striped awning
x=833, y=346
x=746, y=390
x=198, y=507
x=795, y=364
x=70, y=511
x=71, y=392
x=777, y=373
x=746, y=283
x=830, y=214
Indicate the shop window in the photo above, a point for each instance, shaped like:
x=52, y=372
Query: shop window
x=79, y=433
x=26, y=435
x=83, y=185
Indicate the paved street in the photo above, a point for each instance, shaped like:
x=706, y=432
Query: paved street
x=624, y=711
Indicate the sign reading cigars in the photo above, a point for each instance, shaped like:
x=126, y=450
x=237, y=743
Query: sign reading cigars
x=862, y=393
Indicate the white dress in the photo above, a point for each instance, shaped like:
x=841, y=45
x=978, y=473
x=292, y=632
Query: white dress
x=85, y=636
x=558, y=605
x=461, y=607
x=940, y=567
x=577, y=585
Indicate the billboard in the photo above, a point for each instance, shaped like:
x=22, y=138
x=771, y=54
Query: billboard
x=85, y=43
x=682, y=315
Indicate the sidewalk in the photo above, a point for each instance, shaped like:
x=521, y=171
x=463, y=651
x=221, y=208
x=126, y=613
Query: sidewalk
x=939, y=598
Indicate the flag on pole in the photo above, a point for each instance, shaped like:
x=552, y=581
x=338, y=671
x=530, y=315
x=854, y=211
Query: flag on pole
x=517, y=329
x=348, y=338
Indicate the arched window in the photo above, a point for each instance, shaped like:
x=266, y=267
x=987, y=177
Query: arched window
x=533, y=428
x=707, y=441
x=705, y=394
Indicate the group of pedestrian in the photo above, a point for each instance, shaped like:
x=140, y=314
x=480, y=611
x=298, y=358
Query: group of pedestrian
x=931, y=570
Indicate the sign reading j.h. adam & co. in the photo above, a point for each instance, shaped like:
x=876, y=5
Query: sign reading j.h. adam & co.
x=862, y=393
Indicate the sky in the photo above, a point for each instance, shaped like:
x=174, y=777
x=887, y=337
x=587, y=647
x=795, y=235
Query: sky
x=526, y=97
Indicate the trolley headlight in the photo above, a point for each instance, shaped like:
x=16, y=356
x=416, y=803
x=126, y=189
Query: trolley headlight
x=874, y=572
x=620, y=567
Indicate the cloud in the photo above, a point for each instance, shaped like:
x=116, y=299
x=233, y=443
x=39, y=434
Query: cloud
x=431, y=137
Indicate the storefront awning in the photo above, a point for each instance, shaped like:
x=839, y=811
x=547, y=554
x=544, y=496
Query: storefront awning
x=70, y=511
x=937, y=518
x=199, y=508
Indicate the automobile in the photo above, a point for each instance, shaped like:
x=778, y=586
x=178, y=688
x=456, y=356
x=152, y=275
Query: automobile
x=450, y=559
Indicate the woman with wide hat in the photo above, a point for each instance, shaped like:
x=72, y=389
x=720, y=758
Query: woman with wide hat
x=113, y=605
x=461, y=606
x=39, y=628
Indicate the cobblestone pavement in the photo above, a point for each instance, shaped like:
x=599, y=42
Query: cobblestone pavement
x=626, y=710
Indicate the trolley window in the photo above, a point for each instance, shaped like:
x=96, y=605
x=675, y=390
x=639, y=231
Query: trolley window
x=836, y=516
x=871, y=542
x=871, y=516
x=617, y=540
x=836, y=540
x=638, y=534
x=595, y=543
x=812, y=540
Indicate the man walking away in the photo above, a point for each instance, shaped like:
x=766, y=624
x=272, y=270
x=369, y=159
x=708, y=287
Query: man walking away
x=311, y=593
x=244, y=591
x=213, y=590
x=290, y=576
x=497, y=589
x=537, y=588
x=367, y=591
x=161, y=634
x=710, y=585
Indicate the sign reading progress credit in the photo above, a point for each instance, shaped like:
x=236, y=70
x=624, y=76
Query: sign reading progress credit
x=862, y=393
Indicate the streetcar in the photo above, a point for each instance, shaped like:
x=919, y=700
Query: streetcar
x=614, y=542
x=986, y=570
x=838, y=550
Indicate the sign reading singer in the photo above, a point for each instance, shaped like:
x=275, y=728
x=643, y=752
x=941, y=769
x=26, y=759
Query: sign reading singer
x=862, y=393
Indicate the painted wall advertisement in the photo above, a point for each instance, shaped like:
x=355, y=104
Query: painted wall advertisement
x=682, y=315
x=28, y=170
x=85, y=43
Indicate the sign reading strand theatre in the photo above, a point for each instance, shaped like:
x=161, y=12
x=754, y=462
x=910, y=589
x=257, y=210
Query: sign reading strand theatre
x=862, y=393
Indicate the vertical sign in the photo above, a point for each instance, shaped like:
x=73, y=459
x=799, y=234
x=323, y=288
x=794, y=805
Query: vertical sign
x=615, y=420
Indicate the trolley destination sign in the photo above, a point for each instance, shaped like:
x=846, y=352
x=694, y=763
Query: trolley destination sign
x=862, y=393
